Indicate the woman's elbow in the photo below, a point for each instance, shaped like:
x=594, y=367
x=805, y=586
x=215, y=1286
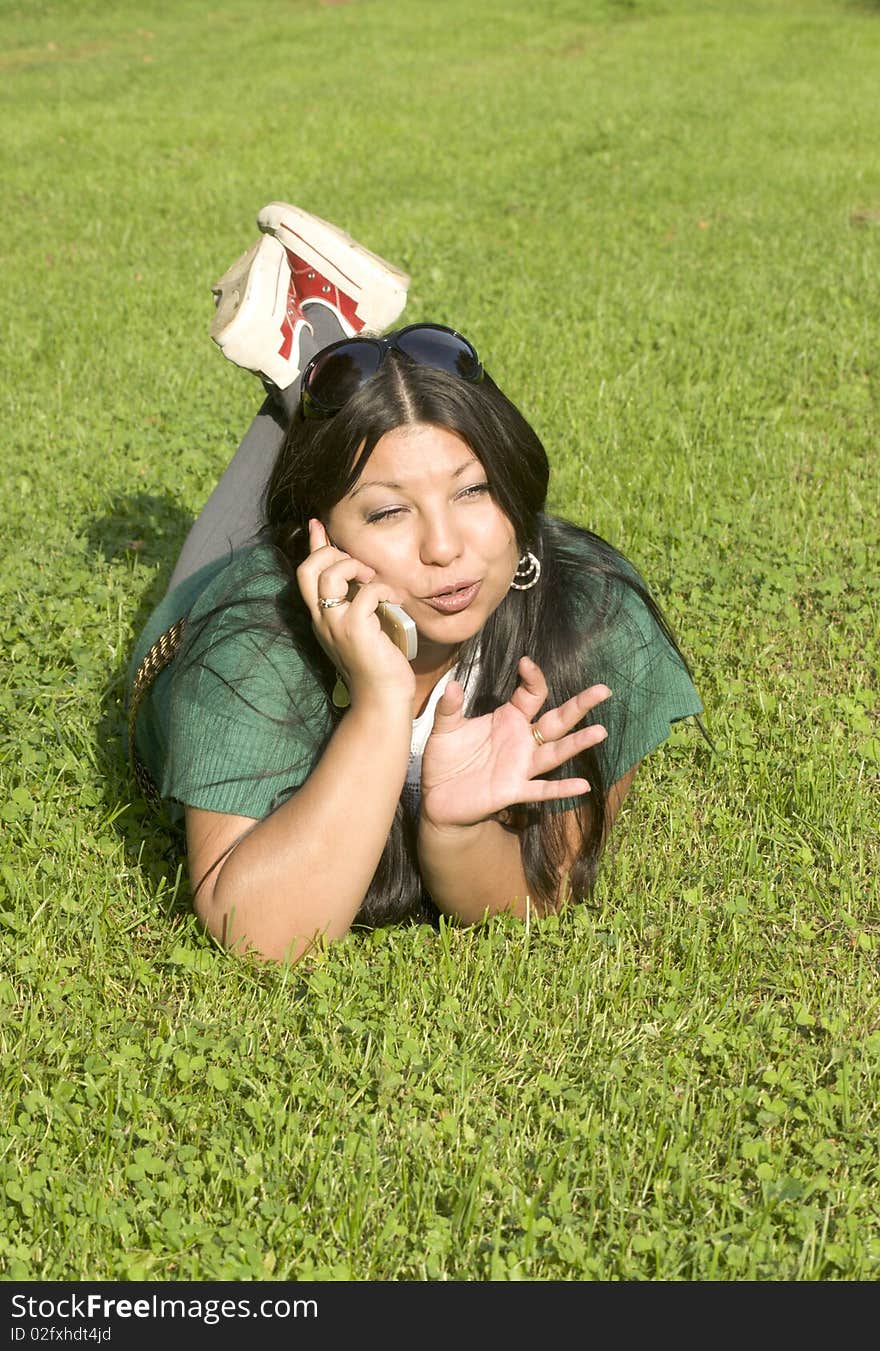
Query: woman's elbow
x=219, y=917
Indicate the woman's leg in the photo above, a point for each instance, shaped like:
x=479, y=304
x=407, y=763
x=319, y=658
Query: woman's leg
x=302, y=267
x=233, y=514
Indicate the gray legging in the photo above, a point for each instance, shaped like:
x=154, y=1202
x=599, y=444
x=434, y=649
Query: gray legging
x=233, y=514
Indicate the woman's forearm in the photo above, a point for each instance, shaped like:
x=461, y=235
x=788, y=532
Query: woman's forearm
x=304, y=870
x=470, y=870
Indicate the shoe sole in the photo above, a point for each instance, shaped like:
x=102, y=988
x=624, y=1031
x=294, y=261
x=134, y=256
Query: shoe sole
x=258, y=279
x=260, y=267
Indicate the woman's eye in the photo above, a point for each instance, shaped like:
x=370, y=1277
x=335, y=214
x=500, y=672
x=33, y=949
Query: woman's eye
x=385, y=515
x=389, y=513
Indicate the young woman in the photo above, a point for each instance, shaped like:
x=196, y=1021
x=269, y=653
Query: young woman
x=328, y=772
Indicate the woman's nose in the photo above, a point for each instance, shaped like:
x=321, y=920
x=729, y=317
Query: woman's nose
x=441, y=541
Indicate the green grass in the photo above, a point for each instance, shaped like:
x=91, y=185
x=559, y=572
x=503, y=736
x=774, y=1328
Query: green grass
x=660, y=223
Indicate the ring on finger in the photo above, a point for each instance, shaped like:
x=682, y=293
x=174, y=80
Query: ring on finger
x=537, y=735
x=330, y=602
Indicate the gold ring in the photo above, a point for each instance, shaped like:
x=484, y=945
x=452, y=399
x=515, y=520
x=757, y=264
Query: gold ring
x=328, y=602
x=537, y=735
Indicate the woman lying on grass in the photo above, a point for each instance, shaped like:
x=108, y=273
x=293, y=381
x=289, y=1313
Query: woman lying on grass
x=330, y=776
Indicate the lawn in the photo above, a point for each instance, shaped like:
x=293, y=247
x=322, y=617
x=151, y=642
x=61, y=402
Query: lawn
x=660, y=224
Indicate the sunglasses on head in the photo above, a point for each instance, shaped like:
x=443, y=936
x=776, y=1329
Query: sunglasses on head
x=339, y=371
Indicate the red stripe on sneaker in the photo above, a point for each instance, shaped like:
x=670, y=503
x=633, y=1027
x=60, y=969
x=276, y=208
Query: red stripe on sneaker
x=293, y=316
x=286, y=339
x=310, y=245
x=307, y=284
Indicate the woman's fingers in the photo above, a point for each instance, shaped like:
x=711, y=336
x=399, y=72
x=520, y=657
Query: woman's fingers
x=321, y=555
x=352, y=627
x=531, y=694
x=556, y=722
x=551, y=790
x=559, y=743
x=334, y=581
x=555, y=753
x=327, y=573
x=318, y=537
x=370, y=595
x=448, y=713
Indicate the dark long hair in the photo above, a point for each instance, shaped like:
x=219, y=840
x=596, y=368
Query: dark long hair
x=556, y=623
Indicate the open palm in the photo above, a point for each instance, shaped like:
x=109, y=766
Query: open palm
x=475, y=767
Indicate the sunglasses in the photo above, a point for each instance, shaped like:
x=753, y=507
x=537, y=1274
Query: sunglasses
x=340, y=370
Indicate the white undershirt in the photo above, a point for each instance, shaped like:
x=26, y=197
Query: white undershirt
x=421, y=730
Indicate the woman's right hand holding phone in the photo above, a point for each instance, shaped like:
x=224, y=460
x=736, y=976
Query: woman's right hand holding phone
x=373, y=668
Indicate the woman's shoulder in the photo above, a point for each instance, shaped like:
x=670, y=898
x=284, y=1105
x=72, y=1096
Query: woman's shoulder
x=241, y=652
x=253, y=574
x=595, y=580
x=612, y=616
x=620, y=638
x=241, y=623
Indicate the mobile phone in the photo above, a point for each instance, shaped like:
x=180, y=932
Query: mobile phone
x=399, y=627
x=395, y=622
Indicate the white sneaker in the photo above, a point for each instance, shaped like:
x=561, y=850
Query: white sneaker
x=300, y=261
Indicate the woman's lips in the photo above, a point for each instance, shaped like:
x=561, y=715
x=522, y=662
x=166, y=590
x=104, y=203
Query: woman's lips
x=453, y=601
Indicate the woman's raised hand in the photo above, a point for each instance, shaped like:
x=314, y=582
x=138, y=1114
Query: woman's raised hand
x=372, y=666
x=475, y=767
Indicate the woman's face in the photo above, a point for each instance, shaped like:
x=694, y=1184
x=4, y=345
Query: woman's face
x=422, y=515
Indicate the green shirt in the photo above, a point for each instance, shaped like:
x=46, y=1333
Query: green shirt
x=649, y=683
x=215, y=729
x=237, y=720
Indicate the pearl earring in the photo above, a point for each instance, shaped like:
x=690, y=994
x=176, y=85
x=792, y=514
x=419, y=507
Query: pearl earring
x=528, y=570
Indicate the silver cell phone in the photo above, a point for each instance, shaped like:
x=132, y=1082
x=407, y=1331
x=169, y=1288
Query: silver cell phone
x=395, y=622
x=399, y=627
